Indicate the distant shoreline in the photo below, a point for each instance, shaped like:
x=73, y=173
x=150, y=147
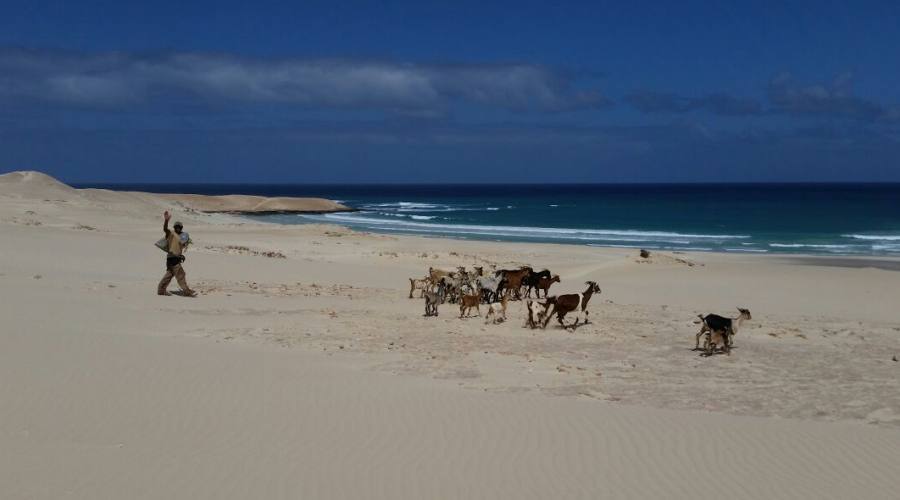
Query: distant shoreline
x=849, y=262
x=775, y=219
x=256, y=205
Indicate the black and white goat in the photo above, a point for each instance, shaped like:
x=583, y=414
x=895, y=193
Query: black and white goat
x=535, y=312
x=720, y=329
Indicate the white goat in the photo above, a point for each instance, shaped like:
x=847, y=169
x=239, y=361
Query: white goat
x=496, y=311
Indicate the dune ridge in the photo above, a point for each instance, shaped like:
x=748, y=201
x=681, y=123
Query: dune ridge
x=31, y=184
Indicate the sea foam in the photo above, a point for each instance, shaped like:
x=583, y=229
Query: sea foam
x=626, y=235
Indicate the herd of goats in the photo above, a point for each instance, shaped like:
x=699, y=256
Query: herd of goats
x=470, y=289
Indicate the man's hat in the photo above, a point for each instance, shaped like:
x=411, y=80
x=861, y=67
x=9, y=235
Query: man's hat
x=178, y=224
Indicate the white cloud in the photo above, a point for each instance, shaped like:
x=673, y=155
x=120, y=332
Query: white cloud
x=119, y=79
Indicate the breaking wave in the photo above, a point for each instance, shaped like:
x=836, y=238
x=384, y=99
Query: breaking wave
x=524, y=232
x=873, y=237
x=809, y=245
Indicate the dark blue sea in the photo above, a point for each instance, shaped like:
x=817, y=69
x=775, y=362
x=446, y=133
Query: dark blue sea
x=833, y=219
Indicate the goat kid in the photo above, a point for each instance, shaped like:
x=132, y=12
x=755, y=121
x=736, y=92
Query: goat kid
x=432, y=300
x=467, y=302
x=496, y=311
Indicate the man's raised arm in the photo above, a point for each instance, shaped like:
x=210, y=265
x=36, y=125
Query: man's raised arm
x=166, y=217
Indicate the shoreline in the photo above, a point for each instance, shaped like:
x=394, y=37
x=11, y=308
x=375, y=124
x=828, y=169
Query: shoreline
x=481, y=232
x=888, y=260
x=852, y=262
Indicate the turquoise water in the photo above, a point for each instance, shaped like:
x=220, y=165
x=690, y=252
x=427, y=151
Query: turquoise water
x=833, y=219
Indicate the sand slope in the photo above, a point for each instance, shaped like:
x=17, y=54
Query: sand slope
x=140, y=417
x=303, y=371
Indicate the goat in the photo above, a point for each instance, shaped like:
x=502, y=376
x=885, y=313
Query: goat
x=714, y=339
x=496, y=311
x=512, y=280
x=531, y=281
x=723, y=328
x=437, y=274
x=499, y=273
x=433, y=299
x=543, y=284
x=467, y=302
x=488, y=287
x=451, y=289
x=421, y=284
x=535, y=312
x=576, y=302
x=456, y=286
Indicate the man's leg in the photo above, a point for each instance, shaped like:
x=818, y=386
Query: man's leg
x=164, y=282
x=182, y=280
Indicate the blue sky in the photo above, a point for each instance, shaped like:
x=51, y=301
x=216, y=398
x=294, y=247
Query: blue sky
x=452, y=92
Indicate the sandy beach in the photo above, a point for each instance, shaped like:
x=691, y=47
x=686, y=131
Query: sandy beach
x=302, y=370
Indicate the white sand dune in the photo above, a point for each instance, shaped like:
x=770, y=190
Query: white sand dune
x=34, y=185
x=313, y=376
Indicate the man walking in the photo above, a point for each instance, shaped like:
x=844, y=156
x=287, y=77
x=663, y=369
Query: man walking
x=174, y=259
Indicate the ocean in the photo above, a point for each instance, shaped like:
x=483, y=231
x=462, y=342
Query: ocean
x=831, y=219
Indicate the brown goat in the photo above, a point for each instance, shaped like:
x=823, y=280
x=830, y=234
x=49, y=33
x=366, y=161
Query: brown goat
x=544, y=284
x=437, y=274
x=467, y=302
x=512, y=280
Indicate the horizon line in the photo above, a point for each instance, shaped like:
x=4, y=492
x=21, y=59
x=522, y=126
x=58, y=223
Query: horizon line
x=662, y=183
